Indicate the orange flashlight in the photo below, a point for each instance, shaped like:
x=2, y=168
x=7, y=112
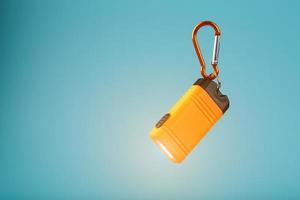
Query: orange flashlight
x=181, y=129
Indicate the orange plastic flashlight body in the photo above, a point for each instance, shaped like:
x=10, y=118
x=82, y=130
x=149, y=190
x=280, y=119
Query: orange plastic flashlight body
x=181, y=129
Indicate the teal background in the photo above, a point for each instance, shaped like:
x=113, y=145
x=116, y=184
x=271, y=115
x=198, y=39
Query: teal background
x=83, y=82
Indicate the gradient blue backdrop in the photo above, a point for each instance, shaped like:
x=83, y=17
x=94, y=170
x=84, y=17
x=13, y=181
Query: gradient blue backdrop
x=83, y=82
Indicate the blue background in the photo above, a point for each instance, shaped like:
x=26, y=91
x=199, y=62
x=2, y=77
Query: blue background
x=83, y=82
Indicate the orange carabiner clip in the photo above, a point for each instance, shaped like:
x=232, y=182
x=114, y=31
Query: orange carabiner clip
x=214, y=61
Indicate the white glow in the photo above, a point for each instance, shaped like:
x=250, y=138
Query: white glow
x=165, y=149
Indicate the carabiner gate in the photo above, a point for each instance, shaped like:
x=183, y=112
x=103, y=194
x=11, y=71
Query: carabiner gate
x=215, y=56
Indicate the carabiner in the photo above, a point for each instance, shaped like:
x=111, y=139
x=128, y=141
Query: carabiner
x=215, y=56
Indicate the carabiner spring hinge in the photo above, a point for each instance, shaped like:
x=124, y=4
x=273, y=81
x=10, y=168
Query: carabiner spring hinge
x=215, y=56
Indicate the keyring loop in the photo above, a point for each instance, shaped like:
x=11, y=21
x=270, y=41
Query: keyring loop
x=214, y=61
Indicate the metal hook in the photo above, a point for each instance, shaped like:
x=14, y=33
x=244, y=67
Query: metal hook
x=214, y=61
